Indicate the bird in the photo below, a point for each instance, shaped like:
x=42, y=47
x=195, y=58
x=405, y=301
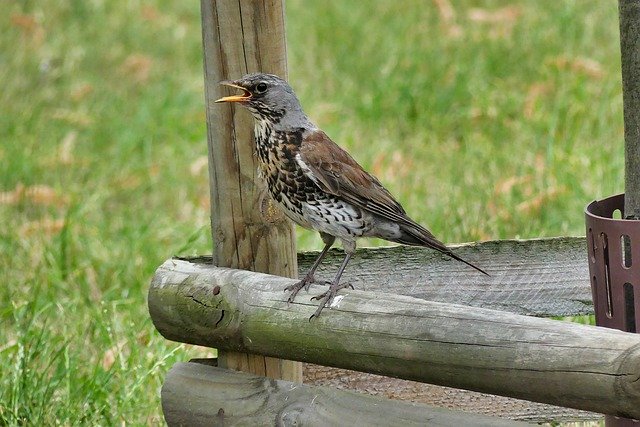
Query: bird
x=318, y=185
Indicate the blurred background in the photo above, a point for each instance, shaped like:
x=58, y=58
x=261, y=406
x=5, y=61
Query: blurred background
x=487, y=119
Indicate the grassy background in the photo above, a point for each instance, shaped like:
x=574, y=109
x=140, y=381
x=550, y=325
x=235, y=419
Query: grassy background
x=487, y=119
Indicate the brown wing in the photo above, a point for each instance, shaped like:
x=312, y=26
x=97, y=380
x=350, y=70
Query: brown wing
x=336, y=172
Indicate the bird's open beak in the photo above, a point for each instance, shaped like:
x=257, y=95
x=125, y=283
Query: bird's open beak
x=234, y=98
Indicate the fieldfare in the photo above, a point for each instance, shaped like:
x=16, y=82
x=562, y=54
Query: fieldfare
x=319, y=185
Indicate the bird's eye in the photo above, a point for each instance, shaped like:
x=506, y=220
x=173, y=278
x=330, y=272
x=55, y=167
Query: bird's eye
x=261, y=88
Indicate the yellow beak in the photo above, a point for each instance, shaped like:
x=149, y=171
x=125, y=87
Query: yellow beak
x=234, y=98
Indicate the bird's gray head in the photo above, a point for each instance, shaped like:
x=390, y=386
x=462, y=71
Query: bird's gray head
x=269, y=98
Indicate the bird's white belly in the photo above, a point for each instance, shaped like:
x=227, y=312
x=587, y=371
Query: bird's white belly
x=295, y=215
x=337, y=218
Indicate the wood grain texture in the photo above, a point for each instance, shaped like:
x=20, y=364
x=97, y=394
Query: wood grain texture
x=199, y=395
x=439, y=396
x=241, y=36
x=490, y=351
x=630, y=50
x=538, y=277
x=564, y=290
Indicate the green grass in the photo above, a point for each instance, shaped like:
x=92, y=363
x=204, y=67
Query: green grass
x=501, y=122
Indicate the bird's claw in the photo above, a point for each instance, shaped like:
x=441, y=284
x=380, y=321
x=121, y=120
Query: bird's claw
x=292, y=296
x=322, y=295
x=295, y=288
x=326, y=298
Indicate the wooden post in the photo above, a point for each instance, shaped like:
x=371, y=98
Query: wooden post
x=242, y=36
x=630, y=50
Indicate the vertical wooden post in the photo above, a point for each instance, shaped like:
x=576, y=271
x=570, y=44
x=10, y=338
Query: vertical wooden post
x=630, y=49
x=239, y=37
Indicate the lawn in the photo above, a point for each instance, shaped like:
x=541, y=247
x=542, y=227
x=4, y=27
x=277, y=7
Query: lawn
x=487, y=120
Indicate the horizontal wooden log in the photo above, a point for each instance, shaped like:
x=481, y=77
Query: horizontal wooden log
x=194, y=394
x=537, y=277
x=542, y=360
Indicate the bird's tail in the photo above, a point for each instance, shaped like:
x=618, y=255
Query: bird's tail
x=416, y=235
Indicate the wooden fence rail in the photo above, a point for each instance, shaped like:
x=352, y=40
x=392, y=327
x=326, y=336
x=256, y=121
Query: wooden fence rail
x=566, y=364
x=195, y=395
x=537, y=277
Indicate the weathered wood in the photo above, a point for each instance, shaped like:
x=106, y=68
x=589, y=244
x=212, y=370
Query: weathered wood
x=490, y=351
x=562, y=289
x=439, y=396
x=200, y=395
x=241, y=36
x=539, y=277
x=630, y=49
x=443, y=397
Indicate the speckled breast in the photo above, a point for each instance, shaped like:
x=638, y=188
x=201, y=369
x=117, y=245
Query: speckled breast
x=300, y=198
x=286, y=182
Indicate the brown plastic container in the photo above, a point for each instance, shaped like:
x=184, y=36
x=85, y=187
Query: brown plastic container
x=614, y=267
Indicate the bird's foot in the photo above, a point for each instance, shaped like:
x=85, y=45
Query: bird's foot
x=327, y=297
x=295, y=288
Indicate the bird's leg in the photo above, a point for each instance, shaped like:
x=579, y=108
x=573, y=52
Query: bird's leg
x=308, y=279
x=326, y=297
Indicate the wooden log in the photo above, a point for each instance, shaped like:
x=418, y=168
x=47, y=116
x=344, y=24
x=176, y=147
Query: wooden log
x=540, y=277
x=630, y=50
x=200, y=395
x=542, y=360
x=241, y=36
x=537, y=277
